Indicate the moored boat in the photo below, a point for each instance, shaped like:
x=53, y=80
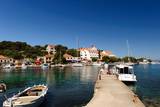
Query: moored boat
x=45, y=66
x=125, y=73
x=24, y=66
x=97, y=64
x=30, y=97
x=77, y=65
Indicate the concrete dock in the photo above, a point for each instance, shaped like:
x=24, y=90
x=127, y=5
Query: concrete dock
x=110, y=92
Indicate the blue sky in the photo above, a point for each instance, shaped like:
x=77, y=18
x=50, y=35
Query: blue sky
x=105, y=23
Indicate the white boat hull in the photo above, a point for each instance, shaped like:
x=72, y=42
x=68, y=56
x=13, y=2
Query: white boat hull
x=27, y=98
x=77, y=65
x=36, y=103
x=127, y=77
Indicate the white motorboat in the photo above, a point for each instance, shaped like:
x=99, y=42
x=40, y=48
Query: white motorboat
x=155, y=62
x=45, y=66
x=77, y=65
x=24, y=66
x=130, y=64
x=59, y=65
x=144, y=62
x=30, y=97
x=125, y=73
x=96, y=64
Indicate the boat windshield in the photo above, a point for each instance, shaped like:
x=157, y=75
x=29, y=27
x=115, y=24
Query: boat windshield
x=125, y=70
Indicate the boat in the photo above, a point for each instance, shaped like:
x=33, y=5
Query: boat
x=96, y=64
x=60, y=65
x=30, y=97
x=9, y=66
x=24, y=66
x=130, y=64
x=144, y=62
x=154, y=62
x=2, y=87
x=77, y=65
x=45, y=66
x=125, y=73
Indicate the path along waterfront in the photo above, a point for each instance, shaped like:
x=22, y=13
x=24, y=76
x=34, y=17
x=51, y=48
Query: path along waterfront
x=110, y=92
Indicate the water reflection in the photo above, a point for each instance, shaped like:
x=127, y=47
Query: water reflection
x=68, y=86
x=147, y=86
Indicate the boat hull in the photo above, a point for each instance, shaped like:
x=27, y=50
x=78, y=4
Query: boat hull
x=30, y=97
x=36, y=103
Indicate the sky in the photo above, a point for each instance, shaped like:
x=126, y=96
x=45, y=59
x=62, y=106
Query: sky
x=108, y=24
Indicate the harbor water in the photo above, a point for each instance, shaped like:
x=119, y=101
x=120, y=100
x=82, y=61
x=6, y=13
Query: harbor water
x=148, y=84
x=68, y=87
x=74, y=87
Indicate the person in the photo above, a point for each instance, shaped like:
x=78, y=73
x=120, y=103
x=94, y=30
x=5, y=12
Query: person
x=100, y=73
x=101, y=70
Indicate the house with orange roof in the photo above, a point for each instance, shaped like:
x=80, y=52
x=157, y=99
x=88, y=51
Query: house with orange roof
x=106, y=53
x=70, y=58
x=89, y=53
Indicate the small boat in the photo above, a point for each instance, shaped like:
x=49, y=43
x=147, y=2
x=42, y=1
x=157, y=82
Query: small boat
x=45, y=66
x=97, y=64
x=125, y=73
x=2, y=87
x=59, y=65
x=24, y=66
x=30, y=97
x=77, y=65
x=130, y=64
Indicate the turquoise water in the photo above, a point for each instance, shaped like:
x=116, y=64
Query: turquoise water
x=68, y=87
x=73, y=87
x=148, y=85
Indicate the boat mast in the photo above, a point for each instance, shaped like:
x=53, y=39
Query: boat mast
x=128, y=50
x=77, y=46
x=60, y=57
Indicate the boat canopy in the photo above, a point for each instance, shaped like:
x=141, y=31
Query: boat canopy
x=124, y=69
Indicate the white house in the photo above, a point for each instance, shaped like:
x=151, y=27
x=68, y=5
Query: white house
x=89, y=53
x=51, y=49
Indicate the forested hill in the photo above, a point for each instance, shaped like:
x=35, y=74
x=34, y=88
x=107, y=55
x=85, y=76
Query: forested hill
x=20, y=50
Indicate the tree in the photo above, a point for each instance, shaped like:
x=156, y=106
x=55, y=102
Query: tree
x=106, y=59
x=94, y=59
x=60, y=51
x=110, y=59
x=73, y=52
x=113, y=59
x=20, y=50
x=129, y=59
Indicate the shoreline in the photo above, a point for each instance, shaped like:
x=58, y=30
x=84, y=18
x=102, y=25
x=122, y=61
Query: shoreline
x=111, y=92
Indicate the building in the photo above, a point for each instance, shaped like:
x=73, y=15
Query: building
x=4, y=59
x=106, y=53
x=51, y=49
x=50, y=56
x=70, y=58
x=89, y=53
